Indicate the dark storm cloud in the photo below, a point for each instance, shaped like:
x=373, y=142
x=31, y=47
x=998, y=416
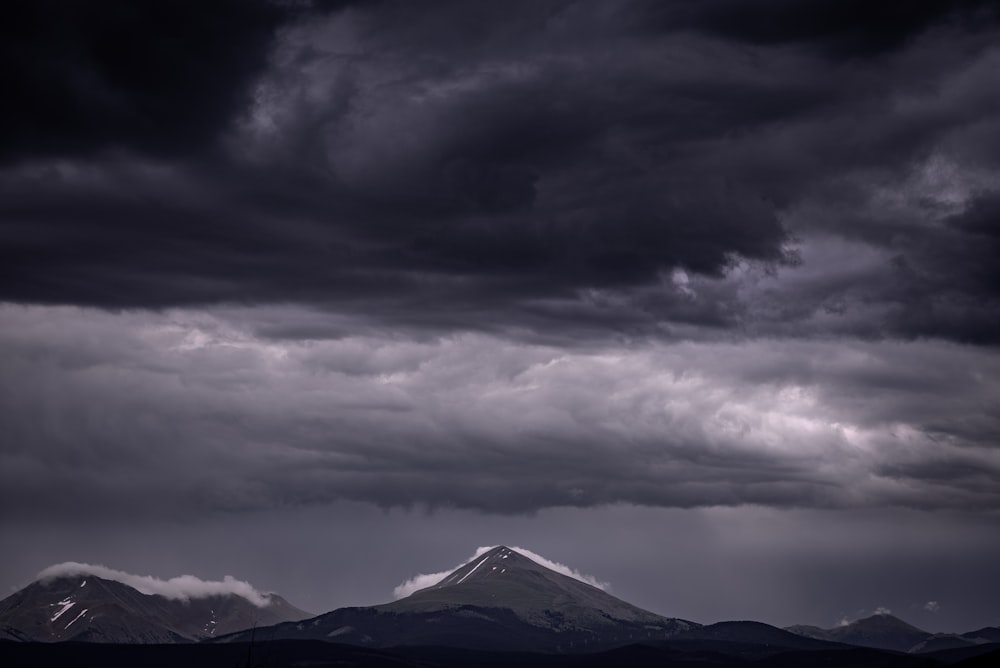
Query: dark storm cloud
x=161, y=77
x=543, y=166
x=397, y=179
x=844, y=28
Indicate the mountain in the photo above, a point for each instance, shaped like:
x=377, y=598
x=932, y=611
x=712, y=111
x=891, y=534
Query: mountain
x=748, y=639
x=939, y=642
x=809, y=631
x=953, y=641
x=92, y=609
x=884, y=631
x=502, y=600
x=987, y=634
x=881, y=631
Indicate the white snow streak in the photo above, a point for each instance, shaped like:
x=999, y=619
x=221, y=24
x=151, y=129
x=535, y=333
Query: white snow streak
x=472, y=571
x=82, y=613
x=66, y=605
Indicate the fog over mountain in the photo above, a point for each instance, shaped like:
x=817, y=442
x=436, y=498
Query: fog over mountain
x=699, y=298
x=180, y=588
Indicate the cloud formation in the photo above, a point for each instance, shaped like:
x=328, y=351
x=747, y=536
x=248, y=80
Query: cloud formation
x=187, y=412
x=181, y=588
x=545, y=167
x=418, y=582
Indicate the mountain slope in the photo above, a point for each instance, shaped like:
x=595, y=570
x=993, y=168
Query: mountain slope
x=91, y=609
x=511, y=580
x=809, y=631
x=757, y=634
x=983, y=635
x=501, y=600
x=884, y=631
x=879, y=631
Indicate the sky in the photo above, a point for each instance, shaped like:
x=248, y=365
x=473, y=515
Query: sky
x=700, y=299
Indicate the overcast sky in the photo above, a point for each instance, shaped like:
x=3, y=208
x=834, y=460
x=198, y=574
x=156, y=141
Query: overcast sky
x=701, y=299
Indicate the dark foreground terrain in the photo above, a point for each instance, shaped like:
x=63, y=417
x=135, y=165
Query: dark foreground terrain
x=316, y=654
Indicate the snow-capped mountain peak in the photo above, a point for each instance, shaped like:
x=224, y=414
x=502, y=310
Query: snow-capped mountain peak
x=500, y=599
x=493, y=564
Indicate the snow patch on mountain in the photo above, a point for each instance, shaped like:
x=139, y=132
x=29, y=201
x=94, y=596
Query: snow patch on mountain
x=183, y=587
x=424, y=580
x=66, y=605
x=474, y=569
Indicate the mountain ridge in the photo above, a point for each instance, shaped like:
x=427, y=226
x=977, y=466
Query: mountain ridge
x=885, y=631
x=88, y=608
x=500, y=600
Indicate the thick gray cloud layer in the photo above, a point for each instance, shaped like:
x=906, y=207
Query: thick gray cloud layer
x=187, y=412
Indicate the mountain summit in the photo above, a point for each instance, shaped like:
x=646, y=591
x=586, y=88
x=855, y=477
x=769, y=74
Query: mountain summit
x=880, y=631
x=506, y=578
x=500, y=600
x=500, y=570
x=92, y=609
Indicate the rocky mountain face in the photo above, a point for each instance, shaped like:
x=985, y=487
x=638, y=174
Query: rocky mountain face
x=500, y=601
x=92, y=609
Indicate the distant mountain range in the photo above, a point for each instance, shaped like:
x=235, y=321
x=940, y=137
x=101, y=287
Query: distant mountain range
x=92, y=609
x=502, y=600
x=883, y=631
x=499, y=608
